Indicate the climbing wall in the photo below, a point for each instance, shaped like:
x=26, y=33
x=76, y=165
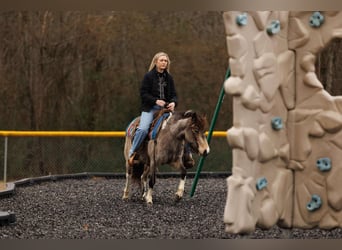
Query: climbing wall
x=287, y=130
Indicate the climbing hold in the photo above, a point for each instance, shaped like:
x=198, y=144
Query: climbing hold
x=323, y=164
x=261, y=183
x=273, y=28
x=316, y=19
x=315, y=203
x=277, y=123
x=241, y=19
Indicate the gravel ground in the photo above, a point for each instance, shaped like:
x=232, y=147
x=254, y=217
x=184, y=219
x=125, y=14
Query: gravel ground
x=92, y=208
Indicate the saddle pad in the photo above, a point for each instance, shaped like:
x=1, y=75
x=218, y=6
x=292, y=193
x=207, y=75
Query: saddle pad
x=155, y=129
x=130, y=130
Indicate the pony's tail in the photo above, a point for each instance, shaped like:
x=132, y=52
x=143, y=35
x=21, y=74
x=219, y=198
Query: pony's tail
x=137, y=171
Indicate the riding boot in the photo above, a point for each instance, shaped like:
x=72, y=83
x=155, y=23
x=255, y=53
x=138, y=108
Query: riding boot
x=131, y=159
x=139, y=137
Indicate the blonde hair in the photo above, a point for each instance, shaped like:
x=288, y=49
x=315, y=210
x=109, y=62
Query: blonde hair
x=155, y=58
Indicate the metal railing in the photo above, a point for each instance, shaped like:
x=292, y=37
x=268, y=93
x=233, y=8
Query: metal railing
x=116, y=134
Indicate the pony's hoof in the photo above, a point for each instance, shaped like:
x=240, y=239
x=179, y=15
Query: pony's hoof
x=149, y=201
x=125, y=195
x=125, y=198
x=179, y=194
x=178, y=198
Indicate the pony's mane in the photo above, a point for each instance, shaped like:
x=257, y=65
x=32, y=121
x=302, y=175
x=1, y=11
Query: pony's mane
x=198, y=120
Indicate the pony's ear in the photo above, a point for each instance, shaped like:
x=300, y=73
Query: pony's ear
x=189, y=113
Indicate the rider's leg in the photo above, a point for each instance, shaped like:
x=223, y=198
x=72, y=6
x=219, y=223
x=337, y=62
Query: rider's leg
x=142, y=130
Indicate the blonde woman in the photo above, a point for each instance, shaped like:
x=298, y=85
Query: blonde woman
x=157, y=91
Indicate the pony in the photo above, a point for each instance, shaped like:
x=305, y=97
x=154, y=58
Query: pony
x=178, y=131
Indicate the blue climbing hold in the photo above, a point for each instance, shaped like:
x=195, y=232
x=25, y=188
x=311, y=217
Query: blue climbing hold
x=274, y=27
x=315, y=203
x=241, y=19
x=323, y=164
x=261, y=183
x=316, y=19
x=277, y=123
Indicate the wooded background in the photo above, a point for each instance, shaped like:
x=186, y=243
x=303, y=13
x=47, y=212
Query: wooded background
x=82, y=71
x=78, y=70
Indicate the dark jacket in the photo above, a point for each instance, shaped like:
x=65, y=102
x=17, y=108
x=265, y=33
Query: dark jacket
x=150, y=89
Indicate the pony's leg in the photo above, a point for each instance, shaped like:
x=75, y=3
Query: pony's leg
x=151, y=182
x=148, y=197
x=127, y=188
x=181, y=185
x=144, y=181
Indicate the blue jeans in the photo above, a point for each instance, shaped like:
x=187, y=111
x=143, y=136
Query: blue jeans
x=146, y=119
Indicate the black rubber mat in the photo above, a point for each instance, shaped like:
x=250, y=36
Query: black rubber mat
x=6, y=218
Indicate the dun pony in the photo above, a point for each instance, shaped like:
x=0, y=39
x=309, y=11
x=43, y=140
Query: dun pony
x=180, y=130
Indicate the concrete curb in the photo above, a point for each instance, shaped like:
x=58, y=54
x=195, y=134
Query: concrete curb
x=10, y=186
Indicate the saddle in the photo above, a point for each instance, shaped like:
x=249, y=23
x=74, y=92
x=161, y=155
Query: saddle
x=159, y=118
x=155, y=127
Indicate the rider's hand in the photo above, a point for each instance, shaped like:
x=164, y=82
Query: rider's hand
x=160, y=103
x=171, y=106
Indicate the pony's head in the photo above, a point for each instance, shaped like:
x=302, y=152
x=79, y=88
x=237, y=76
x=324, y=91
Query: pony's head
x=195, y=132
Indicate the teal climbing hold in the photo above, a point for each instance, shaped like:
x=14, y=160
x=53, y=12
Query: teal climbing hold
x=323, y=164
x=241, y=19
x=315, y=203
x=316, y=19
x=261, y=183
x=274, y=27
x=277, y=123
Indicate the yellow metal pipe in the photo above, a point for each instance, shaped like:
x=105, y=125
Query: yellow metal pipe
x=64, y=133
x=7, y=133
x=218, y=133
